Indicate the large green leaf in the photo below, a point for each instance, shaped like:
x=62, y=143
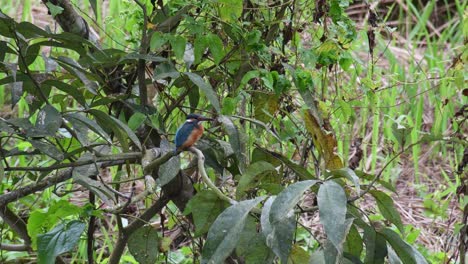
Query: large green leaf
x=407, y=253
x=298, y=255
x=68, y=89
x=75, y=68
x=296, y=168
x=178, y=46
x=350, y=175
x=265, y=105
x=279, y=229
x=61, y=239
x=376, y=246
x=332, y=202
x=234, y=135
x=128, y=131
x=354, y=242
x=91, y=124
x=284, y=204
x=230, y=10
x=225, y=231
x=48, y=121
x=40, y=220
x=118, y=127
x=387, y=208
x=47, y=149
x=216, y=47
x=278, y=235
x=206, y=88
x=252, y=245
x=82, y=174
x=247, y=179
x=144, y=245
x=205, y=207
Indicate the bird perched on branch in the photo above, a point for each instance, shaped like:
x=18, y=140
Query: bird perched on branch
x=190, y=132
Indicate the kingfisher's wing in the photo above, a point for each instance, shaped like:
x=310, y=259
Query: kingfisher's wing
x=183, y=133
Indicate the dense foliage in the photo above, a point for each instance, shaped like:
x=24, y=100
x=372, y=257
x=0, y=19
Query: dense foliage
x=313, y=115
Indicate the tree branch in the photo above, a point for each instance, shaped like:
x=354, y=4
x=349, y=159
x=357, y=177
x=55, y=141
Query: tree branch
x=16, y=223
x=12, y=247
x=115, y=157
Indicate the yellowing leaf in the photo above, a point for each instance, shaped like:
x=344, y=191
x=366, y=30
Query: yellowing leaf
x=324, y=140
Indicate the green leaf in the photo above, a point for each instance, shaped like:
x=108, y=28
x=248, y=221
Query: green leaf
x=199, y=47
x=82, y=174
x=354, y=242
x=91, y=124
x=407, y=253
x=168, y=170
x=216, y=47
x=288, y=199
x=261, y=155
x=47, y=149
x=143, y=244
x=48, y=121
x=350, y=175
x=247, y=179
x=249, y=76
x=93, y=4
x=61, y=239
x=136, y=120
x=230, y=10
x=298, y=255
x=194, y=96
x=158, y=39
x=376, y=246
x=225, y=231
x=299, y=170
x=39, y=221
x=81, y=131
x=252, y=245
x=234, y=135
x=370, y=177
x=279, y=229
x=30, y=56
x=265, y=105
x=68, y=89
x=178, y=44
x=206, y=88
x=4, y=127
x=117, y=126
x=205, y=207
x=165, y=70
x=387, y=208
x=54, y=9
x=75, y=68
x=332, y=202
x=29, y=30
x=278, y=235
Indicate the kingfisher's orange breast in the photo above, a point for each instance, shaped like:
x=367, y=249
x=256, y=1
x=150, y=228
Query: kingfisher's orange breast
x=196, y=134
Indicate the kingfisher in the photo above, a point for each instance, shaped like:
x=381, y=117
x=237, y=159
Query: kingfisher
x=190, y=132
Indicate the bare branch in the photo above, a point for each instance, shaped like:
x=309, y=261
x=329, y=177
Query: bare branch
x=16, y=223
x=115, y=157
x=13, y=247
